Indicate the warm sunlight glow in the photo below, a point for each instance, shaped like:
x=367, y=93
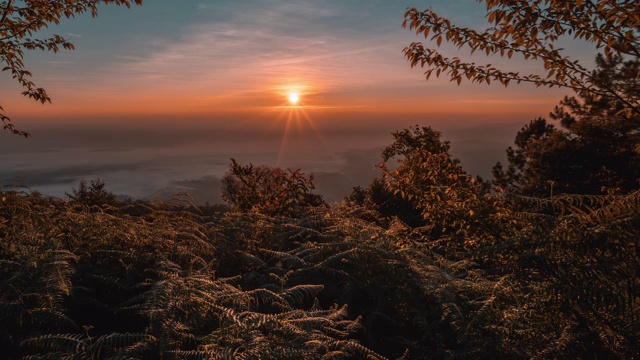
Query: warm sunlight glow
x=293, y=98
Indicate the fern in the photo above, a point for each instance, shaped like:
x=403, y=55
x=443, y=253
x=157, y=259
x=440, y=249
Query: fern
x=110, y=346
x=301, y=294
x=550, y=277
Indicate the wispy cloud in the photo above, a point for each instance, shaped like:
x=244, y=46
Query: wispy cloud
x=262, y=50
x=246, y=56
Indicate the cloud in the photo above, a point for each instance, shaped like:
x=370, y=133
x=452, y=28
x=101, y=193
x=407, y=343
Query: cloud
x=252, y=52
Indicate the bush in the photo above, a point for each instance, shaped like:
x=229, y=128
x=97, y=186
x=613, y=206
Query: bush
x=268, y=190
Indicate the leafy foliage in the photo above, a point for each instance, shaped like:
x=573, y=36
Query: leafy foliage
x=19, y=20
x=380, y=199
x=595, y=151
x=533, y=29
x=268, y=190
x=428, y=176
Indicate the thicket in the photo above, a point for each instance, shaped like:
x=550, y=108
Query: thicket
x=485, y=274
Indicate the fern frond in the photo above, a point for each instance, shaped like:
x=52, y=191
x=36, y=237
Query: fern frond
x=334, y=313
x=65, y=343
x=50, y=317
x=338, y=257
x=452, y=314
x=255, y=320
x=115, y=342
x=301, y=294
x=264, y=297
x=286, y=258
x=57, y=355
x=337, y=355
x=193, y=354
x=355, y=349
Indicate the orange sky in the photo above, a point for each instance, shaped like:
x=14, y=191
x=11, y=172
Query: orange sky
x=159, y=97
x=245, y=60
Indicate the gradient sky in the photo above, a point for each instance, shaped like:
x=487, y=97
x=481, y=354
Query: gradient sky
x=220, y=57
x=229, y=66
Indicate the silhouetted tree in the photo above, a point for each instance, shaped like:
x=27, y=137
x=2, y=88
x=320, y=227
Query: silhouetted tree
x=20, y=21
x=595, y=150
x=94, y=194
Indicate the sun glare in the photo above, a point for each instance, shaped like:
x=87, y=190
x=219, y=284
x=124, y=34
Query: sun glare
x=293, y=98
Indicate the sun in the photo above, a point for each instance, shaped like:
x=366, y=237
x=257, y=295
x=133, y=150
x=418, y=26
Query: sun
x=293, y=98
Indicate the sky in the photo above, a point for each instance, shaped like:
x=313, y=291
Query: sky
x=160, y=97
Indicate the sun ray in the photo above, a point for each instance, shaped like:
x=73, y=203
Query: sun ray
x=317, y=133
x=299, y=125
x=285, y=135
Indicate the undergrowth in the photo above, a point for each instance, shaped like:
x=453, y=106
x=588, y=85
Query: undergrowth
x=542, y=278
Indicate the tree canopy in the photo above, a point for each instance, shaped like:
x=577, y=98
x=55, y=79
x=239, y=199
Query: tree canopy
x=595, y=150
x=533, y=29
x=20, y=22
x=430, y=179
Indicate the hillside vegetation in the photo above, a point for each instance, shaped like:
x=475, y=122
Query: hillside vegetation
x=426, y=262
